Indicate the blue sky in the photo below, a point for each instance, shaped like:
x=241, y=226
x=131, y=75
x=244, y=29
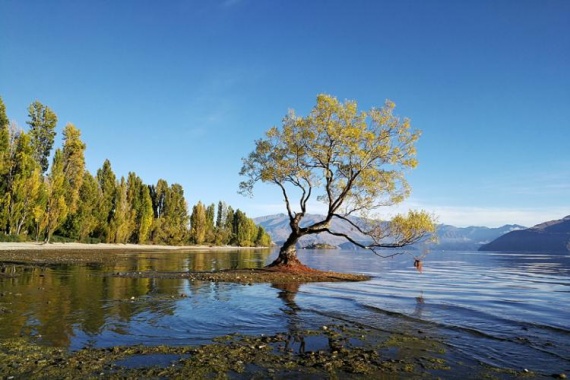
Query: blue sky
x=179, y=90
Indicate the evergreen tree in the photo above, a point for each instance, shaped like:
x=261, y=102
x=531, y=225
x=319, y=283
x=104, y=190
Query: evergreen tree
x=42, y=132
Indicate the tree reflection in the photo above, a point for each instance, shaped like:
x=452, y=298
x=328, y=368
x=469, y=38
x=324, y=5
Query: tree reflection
x=419, y=305
x=287, y=293
x=65, y=303
x=295, y=334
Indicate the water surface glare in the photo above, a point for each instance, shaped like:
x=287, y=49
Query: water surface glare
x=506, y=310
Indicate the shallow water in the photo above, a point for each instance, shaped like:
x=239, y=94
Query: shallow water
x=504, y=310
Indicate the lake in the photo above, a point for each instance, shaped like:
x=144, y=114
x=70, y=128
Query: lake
x=496, y=309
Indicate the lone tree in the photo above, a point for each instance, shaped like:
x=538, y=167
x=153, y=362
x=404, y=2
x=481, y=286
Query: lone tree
x=350, y=160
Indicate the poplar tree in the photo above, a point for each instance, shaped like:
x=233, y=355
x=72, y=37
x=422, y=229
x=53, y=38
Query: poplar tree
x=222, y=234
x=4, y=162
x=106, y=205
x=138, y=196
x=263, y=239
x=158, y=197
x=4, y=147
x=244, y=230
x=39, y=210
x=57, y=207
x=42, y=132
x=122, y=222
x=145, y=216
x=73, y=164
x=85, y=218
x=23, y=186
x=228, y=224
x=176, y=215
x=198, y=224
x=210, y=226
x=220, y=215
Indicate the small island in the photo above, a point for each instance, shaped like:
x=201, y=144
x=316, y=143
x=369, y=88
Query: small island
x=320, y=246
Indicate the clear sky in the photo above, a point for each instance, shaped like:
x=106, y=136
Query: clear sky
x=179, y=90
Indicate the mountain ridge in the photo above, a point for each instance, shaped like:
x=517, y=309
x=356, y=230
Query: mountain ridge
x=449, y=237
x=552, y=236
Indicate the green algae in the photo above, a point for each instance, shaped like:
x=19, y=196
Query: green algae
x=331, y=352
x=334, y=352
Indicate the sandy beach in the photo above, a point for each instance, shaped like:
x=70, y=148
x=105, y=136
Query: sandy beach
x=36, y=253
x=33, y=246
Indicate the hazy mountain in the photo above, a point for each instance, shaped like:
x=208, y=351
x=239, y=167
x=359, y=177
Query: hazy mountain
x=450, y=237
x=551, y=237
x=277, y=226
x=470, y=238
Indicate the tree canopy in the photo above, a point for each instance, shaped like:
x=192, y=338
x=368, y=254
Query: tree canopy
x=352, y=161
x=42, y=201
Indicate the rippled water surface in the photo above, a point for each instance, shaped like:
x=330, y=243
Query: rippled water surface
x=505, y=310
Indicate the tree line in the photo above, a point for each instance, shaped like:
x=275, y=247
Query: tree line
x=39, y=201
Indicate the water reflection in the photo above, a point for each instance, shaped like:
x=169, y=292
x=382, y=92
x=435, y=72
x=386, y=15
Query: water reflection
x=538, y=263
x=57, y=303
x=419, y=305
x=287, y=293
x=492, y=308
x=296, y=339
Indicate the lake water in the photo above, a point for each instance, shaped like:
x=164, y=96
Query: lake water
x=497, y=309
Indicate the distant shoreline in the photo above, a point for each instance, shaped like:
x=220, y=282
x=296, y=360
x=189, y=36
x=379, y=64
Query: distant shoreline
x=36, y=246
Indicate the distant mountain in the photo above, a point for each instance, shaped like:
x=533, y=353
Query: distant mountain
x=548, y=237
x=470, y=238
x=450, y=237
x=277, y=226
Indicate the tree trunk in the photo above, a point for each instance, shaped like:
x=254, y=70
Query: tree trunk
x=288, y=253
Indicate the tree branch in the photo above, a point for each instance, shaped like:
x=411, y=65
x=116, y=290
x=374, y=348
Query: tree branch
x=287, y=204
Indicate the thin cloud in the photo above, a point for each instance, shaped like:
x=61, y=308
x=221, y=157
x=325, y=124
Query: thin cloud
x=460, y=216
x=465, y=216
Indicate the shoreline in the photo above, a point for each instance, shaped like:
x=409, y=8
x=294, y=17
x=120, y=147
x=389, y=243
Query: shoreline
x=40, y=254
x=34, y=253
x=37, y=246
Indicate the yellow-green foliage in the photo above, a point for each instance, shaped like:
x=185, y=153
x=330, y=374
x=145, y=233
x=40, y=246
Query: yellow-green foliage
x=353, y=161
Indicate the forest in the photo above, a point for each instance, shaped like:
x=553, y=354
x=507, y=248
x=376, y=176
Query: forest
x=63, y=201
